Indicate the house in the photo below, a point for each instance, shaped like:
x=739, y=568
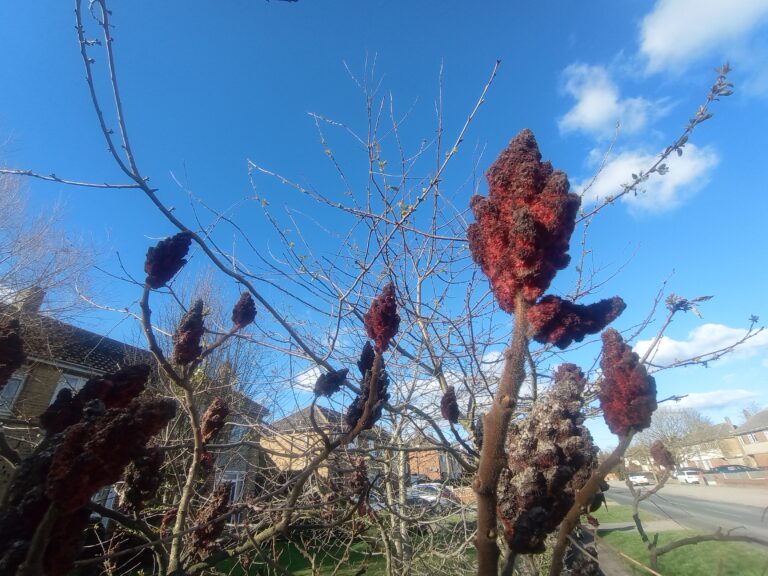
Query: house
x=425, y=460
x=293, y=441
x=709, y=447
x=752, y=437
x=59, y=356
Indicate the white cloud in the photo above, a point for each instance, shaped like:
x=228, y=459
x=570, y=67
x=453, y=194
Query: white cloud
x=703, y=339
x=677, y=32
x=716, y=398
x=687, y=175
x=598, y=104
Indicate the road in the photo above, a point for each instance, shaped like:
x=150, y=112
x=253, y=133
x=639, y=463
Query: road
x=705, y=508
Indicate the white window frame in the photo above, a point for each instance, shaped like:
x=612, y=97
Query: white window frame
x=8, y=398
x=67, y=380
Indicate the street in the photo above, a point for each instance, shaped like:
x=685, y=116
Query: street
x=705, y=508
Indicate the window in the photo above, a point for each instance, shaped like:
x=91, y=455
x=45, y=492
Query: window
x=237, y=433
x=10, y=392
x=74, y=383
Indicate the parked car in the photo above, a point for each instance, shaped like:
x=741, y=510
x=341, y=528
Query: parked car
x=730, y=468
x=639, y=480
x=435, y=494
x=688, y=475
x=418, y=479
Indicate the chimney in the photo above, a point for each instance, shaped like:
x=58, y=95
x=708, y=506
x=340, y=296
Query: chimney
x=730, y=424
x=747, y=414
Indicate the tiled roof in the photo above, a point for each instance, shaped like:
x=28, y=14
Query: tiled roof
x=754, y=423
x=300, y=420
x=56, y=341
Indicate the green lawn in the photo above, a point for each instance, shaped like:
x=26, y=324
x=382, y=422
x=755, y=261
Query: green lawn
x=326, y=561
x=618, y=513
x=705, y=559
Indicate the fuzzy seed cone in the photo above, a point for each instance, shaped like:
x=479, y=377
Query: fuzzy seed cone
x=166, y=259
x=329, y=383
x=142, y=479
x=449, y=406
x=12, y=354
x=551, y=456
x=166, y=524
x=203, y=540
x=186, y=339
x=560, y=322
x=627, y=393
x=65, y=541
x=661, y=455
x=95, y=452
x=359, y=480
x=366, y=359
x=522, y=229
x=213, y=419
x=244, y=312
x=382, y=319
x=115, y=390
x=477, y=430
x=357, y=408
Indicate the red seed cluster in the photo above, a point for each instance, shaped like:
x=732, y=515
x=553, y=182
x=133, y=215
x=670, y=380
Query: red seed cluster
x=522, y=229
x=449, y=406
x=95, y=452
x=142, y=479
x=661, y=455
x=166, y=259
x=210, y=528
x=244, y=311
x=551, y=456
x=329, y=383
x=213, y=419
x=627, y=393
x=12, y=354
x=115, y=390
x=382, y=319
x=187, y=338
x=561, y=322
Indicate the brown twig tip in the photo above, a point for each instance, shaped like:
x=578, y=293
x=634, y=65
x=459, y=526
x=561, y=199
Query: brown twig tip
x=142, y=479
x=561, y=322
x=166, y=259
x=551, y=456
x=115, y=390
x=661, y=455
x=449, y=405
x=329, y=383
x=382, y=320
x=213, y=419
x=12, y=354
x=244, y=312
x=95, y=452
x=186, y=339
x=627, y=393
x=523, y=228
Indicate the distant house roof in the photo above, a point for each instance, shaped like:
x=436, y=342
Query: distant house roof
x=52, y=340
x=300, y=420
x=754, y=423
x=245, y=406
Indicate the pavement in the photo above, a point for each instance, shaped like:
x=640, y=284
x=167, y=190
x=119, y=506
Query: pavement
x=705, y=508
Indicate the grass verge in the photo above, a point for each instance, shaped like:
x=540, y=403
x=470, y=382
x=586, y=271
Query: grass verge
x=708, y=558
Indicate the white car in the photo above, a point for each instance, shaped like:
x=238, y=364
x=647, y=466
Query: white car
x=639, y=480
x=688, y=476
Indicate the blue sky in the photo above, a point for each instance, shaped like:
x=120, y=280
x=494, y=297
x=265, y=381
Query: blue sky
x=208, y=86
